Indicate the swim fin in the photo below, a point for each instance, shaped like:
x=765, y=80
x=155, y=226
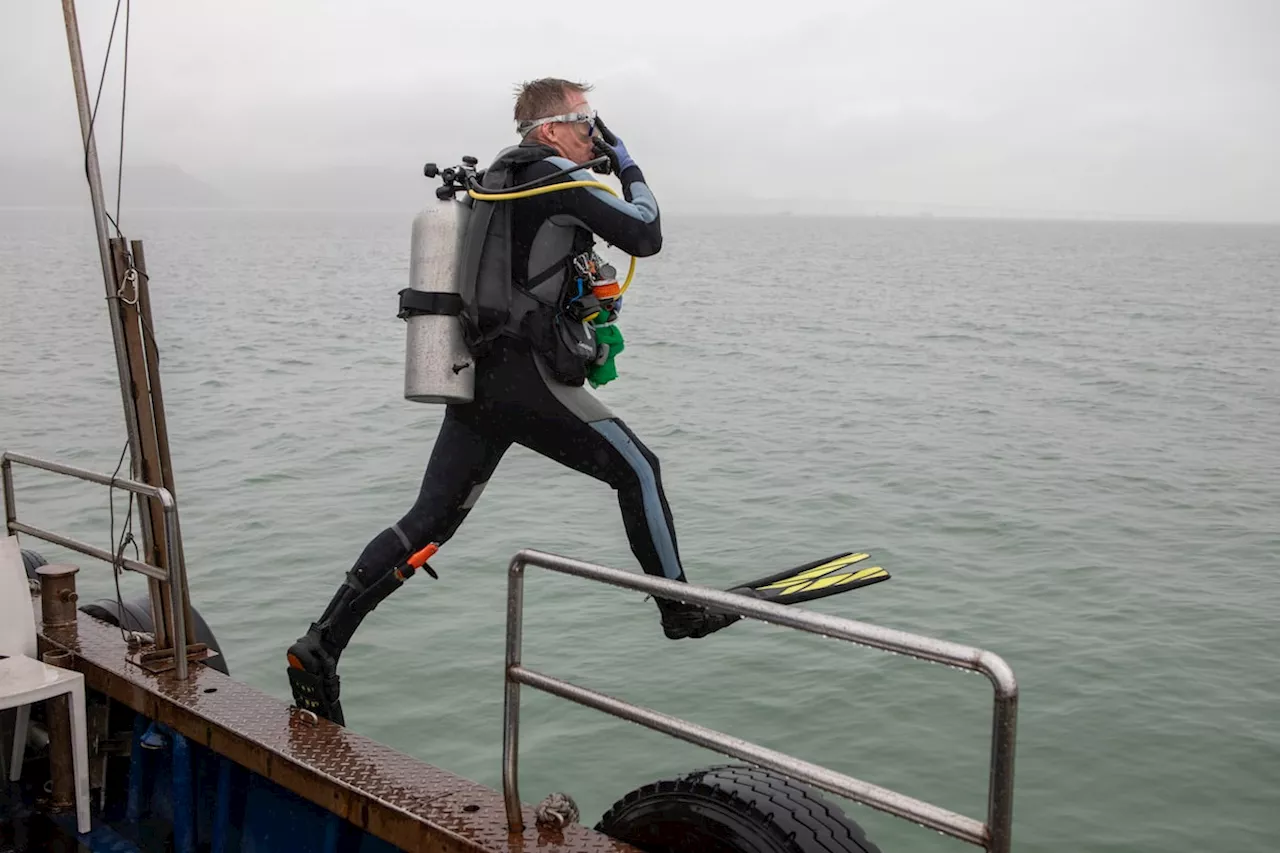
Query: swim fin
x=829, y=576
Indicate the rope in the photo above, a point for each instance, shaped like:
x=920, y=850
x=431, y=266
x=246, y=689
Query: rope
x=132, y=275
x=558, y=810
x=124, y=94
x=126, y=537
x=93, y=116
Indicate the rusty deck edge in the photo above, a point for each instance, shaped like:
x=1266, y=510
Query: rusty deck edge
x=418, y=806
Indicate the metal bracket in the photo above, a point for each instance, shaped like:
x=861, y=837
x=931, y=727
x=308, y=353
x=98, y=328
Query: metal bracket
x=156, y=661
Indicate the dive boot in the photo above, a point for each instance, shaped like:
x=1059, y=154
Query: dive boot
x=313, y=675
x=682, y=619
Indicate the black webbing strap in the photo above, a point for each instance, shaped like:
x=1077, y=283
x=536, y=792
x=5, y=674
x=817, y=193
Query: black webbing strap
x=415, y=302
x=563, y=263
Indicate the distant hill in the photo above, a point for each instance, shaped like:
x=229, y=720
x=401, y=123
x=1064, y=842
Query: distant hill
x=36, y=183
x=161, y=186
x=345, y=187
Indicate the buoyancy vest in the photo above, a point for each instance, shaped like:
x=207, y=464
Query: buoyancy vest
x=498, y=299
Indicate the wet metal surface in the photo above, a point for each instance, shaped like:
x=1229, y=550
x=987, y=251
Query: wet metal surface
x=393, y=796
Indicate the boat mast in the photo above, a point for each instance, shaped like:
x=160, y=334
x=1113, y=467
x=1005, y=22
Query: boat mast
x=124, y=275
x=100, y=224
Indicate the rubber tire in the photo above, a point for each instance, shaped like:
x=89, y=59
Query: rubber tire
x=32, y=560
x=138, y=611
x=732, y=808
x=138, y=618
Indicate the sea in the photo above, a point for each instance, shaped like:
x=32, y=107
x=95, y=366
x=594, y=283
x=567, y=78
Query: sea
x=1060, y=438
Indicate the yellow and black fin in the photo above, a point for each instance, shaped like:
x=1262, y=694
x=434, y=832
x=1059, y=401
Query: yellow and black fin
x=829, y=576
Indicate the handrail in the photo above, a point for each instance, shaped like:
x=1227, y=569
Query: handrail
x=176, y=576
x=995, y=835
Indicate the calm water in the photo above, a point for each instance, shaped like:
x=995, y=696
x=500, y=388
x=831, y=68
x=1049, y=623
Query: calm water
x=1063, y=440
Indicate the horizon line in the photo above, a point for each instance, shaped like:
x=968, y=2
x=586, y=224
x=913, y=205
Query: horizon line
x=782, y=212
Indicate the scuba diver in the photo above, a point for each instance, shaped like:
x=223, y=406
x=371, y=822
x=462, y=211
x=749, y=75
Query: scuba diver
x=528, y=383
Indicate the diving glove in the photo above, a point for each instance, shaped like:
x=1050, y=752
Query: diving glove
x=609, y=145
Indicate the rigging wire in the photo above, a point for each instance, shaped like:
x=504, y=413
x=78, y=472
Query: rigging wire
x=126, y=533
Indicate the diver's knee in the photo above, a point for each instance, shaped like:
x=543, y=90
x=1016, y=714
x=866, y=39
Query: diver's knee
x=436, y=518
x=651, y=460
x=649, y=456
x=655, y=464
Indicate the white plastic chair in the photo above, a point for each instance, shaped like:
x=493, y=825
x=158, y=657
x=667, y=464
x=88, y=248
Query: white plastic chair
x=24, y=679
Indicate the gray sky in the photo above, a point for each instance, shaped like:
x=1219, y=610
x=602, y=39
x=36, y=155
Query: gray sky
x=1162, y=107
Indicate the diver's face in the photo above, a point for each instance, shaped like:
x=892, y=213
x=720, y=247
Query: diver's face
x=572, y=139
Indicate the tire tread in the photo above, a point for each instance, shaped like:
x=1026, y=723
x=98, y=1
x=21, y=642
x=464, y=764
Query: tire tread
x=794, y=815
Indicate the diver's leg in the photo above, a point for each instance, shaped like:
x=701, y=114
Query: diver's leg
x=462, y=461
x=570, y=426
x=609, y=451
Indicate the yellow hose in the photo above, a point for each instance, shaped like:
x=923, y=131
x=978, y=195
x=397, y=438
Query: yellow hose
x=552, y=188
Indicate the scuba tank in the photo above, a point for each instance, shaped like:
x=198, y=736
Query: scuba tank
x=438, y=366
x=460, y=283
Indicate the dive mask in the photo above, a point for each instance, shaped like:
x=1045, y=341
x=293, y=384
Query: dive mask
x=588, y=118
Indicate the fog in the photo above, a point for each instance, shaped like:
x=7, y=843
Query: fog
x=1109, y=109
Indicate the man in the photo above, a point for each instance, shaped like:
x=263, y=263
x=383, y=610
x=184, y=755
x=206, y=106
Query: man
x=520, y=395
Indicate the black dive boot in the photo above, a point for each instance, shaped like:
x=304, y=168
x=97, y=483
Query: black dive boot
x=313, y=676
x=682, y=619
x=313, y=659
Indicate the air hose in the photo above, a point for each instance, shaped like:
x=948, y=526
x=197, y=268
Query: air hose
x=568, y=185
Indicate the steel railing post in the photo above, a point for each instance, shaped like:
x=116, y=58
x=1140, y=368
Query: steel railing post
x=511, y=699
x=175, y=575
x=995, y=835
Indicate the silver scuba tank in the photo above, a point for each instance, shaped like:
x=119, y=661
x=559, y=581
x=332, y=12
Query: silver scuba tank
x=438, y=366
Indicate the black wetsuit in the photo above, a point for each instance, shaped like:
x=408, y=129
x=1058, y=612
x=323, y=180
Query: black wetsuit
x=518, y=401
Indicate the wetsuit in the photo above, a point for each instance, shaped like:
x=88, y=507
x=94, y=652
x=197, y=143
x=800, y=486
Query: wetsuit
x=518, y=400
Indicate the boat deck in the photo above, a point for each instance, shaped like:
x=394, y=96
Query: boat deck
x=395, y=797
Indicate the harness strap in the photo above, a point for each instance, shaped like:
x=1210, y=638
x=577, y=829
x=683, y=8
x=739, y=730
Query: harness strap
x=563, y=263
x=415, y=302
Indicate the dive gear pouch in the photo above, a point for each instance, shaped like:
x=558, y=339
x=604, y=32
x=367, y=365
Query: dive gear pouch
x=567, y=346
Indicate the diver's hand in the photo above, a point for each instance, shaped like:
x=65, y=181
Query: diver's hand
x=621, y=157
x=611, y=146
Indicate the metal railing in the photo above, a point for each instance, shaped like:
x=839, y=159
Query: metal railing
x=995, y=835
x=175, y=578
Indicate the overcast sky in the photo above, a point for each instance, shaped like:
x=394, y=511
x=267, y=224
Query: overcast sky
x=1160, y=107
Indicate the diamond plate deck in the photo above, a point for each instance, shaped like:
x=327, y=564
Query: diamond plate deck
x=393, y=796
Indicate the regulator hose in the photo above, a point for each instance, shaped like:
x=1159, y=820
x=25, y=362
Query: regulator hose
x=568, y=185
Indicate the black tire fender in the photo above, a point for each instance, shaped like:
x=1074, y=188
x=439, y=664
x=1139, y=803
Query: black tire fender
x=32, y=560
x=137, y=613
x=137, y=617
x=732, y=808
